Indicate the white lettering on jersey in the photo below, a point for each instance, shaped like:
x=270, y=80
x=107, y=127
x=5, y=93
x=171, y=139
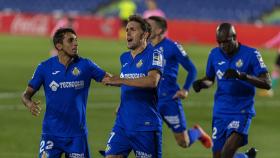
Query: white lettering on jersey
x=179, y=46
x=132, y=75
x=73, y=84
x=259, y=57
x=157, y=57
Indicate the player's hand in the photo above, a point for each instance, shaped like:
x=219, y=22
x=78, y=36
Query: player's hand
x=34, y=107
x=231, y=73
x=112, y=81
x=181, y=94
x=197, y=85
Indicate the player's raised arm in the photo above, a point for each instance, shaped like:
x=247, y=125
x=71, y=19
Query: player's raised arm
x=32, y=106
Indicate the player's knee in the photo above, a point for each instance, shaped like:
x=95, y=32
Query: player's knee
x=227, y=152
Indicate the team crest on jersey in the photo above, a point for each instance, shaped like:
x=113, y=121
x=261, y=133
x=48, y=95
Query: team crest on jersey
x=44, y=155
x=139, y=64
x=76, y=71
x=239, y=63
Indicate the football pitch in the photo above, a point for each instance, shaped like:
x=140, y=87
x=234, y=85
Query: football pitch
x=20, y=131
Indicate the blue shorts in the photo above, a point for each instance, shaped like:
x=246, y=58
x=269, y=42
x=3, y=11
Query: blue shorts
x=223, y=127
x=72, y=147
x=173, y=115
x=146, y=144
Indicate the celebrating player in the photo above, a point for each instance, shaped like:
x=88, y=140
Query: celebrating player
x=170, y=94
x=138, y=123
x=66, y=79
x=238, y=70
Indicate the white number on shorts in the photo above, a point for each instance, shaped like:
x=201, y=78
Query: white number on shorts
x=112, y=135
x=49, y=145
x=214, y=133
x=42, y=144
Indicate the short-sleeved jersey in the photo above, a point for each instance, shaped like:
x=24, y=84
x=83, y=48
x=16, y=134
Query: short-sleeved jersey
x=234, y=96
x=174, y=54
x=66, y=91
x=138, y=109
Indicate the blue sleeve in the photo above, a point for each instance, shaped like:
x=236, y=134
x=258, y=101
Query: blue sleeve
x=187, y=64
x=210, y=70
x=96, y=72
x=37, y=78
x=156, y=61
x=258, y=64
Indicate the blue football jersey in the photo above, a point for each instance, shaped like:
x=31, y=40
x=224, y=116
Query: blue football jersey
x=66, y=91
x=174, y=54
x=234, y=96
x=138, y=109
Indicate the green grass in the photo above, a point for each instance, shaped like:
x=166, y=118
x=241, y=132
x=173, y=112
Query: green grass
x=20, y=131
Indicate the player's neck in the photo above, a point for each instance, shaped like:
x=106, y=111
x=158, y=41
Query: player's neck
x=157, y=40
x=65, y=59
x=139, y=49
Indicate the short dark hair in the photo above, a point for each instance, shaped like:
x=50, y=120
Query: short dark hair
x=160, y=21
x=145, y=26
x=59, y=35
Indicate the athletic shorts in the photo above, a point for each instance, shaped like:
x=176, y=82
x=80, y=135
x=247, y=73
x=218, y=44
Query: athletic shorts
x=55, y=147
x=145, y=144
x=223, y=127
x=173, y=115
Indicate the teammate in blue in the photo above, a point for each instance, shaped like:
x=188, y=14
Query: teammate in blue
x=66, y=80
x=138, y=123
x=238, y=70
x=170, y=94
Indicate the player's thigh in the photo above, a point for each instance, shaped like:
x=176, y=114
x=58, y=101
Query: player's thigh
x=234, y=141
x=223, y=128
x=147, y=144
x=219, y=127
x=173, y=115
x=118, y=143
x=238, y=127
x=50, y=147
x=277, y=62
x=77, y=148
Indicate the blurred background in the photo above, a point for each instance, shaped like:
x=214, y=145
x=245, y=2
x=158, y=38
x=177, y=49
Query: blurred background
x=26, y=28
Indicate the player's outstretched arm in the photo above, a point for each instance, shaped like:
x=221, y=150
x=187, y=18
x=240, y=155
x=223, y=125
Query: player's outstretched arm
x=203, y=83
x=149, y=81
x=32, y=106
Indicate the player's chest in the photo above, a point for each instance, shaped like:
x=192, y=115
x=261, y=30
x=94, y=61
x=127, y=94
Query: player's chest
x=237, y=63
x=61, y=74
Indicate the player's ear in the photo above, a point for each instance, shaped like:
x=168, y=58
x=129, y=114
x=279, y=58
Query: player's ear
x=58, y=46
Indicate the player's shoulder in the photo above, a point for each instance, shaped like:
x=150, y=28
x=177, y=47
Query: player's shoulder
x=49, y=61
x=247, y=49
x=125, y=54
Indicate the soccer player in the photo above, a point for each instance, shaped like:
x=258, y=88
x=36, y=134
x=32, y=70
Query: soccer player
x=170, y=94
x=238, y=70
x=138, y=123
x=66, y=80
